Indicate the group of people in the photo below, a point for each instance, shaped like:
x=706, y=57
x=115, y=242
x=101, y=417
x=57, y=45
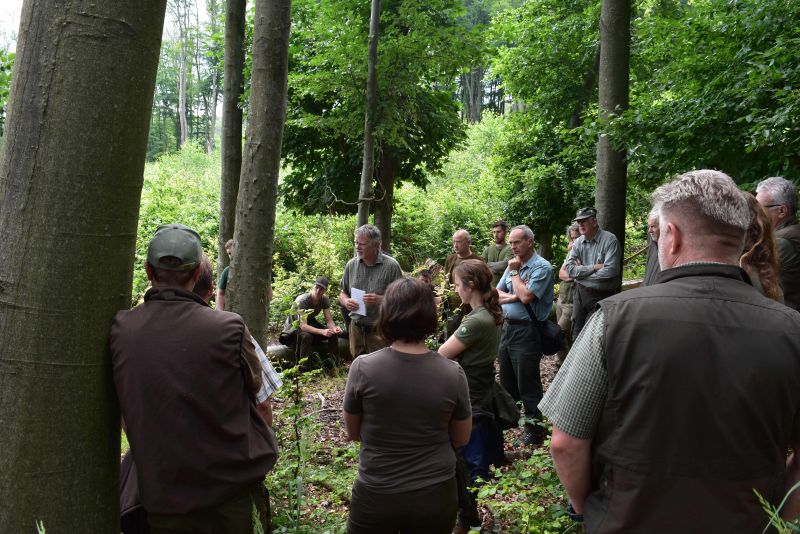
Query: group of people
x=675, y=401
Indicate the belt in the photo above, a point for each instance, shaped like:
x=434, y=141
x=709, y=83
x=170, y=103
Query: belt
x=520, y=322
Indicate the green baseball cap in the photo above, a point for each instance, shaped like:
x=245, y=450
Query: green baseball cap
x=175, y=241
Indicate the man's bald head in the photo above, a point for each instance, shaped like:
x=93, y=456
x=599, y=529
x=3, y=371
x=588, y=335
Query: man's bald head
x=461, y=242
x=704, y=215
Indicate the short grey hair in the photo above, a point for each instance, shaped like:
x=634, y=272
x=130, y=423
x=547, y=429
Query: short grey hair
x=781, y=190
x=711, y=194
x=370, y=231
x=526, y=230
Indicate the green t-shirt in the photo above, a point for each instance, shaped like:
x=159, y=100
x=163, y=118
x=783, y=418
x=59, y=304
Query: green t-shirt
x=222, y=283
x=481, y=336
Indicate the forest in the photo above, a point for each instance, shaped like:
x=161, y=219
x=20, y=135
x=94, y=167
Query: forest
x=260, y=121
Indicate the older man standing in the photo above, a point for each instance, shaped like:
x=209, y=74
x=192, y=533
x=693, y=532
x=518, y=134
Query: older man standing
x=497, y=254
x=367, y=275
x=595, y=264
x=680, y=399
x=461, y=251
x=778, y=197
x=186, y=377
x=526, y=294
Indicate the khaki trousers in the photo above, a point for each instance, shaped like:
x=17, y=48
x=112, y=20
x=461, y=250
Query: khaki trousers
x=363, y=340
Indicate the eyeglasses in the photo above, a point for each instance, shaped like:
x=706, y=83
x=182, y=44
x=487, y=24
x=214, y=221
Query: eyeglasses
x=772, y=206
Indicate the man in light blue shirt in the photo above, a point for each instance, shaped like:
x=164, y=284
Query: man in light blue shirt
x=526, y=290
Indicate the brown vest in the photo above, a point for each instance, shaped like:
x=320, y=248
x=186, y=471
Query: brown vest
x=703, y=396
x=790, y=264
x=193, y=426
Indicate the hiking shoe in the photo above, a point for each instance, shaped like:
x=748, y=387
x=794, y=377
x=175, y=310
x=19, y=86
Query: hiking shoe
x=532, y=435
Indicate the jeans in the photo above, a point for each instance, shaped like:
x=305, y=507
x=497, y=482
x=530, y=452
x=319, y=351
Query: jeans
x=520, y=355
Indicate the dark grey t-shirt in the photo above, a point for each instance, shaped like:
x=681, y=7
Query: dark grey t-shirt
x=406, y=402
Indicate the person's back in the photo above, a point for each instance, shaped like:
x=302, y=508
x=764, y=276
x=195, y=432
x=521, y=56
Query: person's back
x=694, y=422
x=178, y=374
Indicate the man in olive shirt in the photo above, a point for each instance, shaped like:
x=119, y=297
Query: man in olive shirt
x=498, y=253
x=778, y=197
x=371, y=272
x=311, y=329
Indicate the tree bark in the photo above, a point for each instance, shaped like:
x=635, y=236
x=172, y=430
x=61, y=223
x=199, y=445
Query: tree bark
x=180, y=10
x=546, y=246
x=385, y=203
x=251, y=270
x=69, y=206
x=231, y=142
x=365, y=191
x=472, y=94
x=614, y=82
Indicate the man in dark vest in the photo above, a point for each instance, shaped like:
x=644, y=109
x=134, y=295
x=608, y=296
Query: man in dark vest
x=778, y=197
x=679, y=399
x=187, y=378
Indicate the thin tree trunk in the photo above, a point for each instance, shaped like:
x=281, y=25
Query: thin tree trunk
x=589, y=83
x=212, y=112
x=233, y=86
x=546, y=245
x=251, y=272
x=385, y=203
x=614, y=82
x=472, y=94
x=365, y=191
x=69, y=206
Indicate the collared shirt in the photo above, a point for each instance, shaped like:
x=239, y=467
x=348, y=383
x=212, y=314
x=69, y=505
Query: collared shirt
x=270, y=380
x=370, y=279
x=497, y=260
x=575, y=400
x=537, y=273
x=603, y=248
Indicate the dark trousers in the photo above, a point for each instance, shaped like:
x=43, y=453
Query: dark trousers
x=429, y=510
x=485, y=448
x=520, y=355
x=584, y=302
x=234, y=515
x=306, y=342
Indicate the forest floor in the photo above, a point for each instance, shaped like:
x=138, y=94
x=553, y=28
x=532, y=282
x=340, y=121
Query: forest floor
x=317, y=458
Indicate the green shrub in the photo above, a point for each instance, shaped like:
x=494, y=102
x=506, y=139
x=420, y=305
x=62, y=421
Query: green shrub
x=178, y=188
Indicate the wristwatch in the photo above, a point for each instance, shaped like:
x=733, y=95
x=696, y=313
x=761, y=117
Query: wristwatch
x=513, y=272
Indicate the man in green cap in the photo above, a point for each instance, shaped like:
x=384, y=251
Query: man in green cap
x=186, y=377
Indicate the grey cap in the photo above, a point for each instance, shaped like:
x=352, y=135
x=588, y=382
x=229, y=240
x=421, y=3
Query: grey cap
x=176, y=241
x=585, y=213
x=322, y=282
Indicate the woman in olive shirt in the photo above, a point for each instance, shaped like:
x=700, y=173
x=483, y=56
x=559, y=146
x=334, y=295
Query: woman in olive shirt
x=475, y=344
x=409, y=407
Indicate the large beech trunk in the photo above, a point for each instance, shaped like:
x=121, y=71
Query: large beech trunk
x=251, y=270
x=71, y=172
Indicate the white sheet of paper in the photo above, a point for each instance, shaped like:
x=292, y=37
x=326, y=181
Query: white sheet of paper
x=358, y=296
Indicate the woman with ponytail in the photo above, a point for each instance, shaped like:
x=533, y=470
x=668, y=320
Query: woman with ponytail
x=475, y=345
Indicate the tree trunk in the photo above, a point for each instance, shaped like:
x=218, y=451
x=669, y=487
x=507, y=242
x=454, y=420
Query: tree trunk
x=546, y=246
x=365, y=191
x=589, y=83
x=384, y=204
x=614, y=81
x=212, y=112
x=472, y=94
x=233, y=86
x=69, y=206
x=251, y=271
